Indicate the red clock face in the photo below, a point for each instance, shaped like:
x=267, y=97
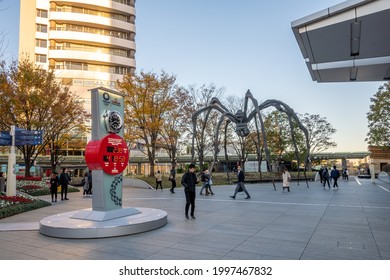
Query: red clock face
x=109, y=154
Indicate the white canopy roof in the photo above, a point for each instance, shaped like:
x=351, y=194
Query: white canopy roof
x=347, y=42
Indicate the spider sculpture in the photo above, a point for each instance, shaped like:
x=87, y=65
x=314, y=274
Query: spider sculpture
x=241, y=120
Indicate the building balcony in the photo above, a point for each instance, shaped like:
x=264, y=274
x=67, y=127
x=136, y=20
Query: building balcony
x=87, y=76
x=84, y=37
x=72, y=55
x=108, y=4
x=91, y=20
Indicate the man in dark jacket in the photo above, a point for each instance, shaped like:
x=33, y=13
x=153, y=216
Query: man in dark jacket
x=325, y=177
x=240, y=185
x=64, y=182
x=189, y=181
x=335, y=174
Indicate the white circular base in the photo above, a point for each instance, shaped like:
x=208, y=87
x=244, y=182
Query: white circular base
x=65, y=225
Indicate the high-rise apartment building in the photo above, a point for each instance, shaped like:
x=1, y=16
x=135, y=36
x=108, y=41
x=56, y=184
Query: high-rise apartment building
x=88, y=43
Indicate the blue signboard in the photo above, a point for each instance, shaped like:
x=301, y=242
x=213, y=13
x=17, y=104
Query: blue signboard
x=28, y=137
x=5, y=138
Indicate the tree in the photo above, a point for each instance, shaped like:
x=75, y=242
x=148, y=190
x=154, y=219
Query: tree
x=176, y=123
x=64, y=136
x=320, y=131
x=379, y=118
x=149, y=98
x=278, y=133
x=32, y=99
x=204, y=136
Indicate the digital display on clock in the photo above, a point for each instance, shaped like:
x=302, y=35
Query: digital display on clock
x=110, y=154
x=121, y=159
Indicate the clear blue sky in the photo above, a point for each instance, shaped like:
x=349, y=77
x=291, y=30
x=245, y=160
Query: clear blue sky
x=237, y=45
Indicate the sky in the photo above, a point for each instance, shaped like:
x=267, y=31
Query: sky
x=237, y=45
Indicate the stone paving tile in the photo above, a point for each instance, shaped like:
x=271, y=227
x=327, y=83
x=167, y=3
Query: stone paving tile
x=343, y=253
x=178, y=254
x=104, y=255
x=239, y=255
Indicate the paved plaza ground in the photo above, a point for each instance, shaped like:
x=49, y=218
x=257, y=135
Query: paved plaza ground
x=351, y=223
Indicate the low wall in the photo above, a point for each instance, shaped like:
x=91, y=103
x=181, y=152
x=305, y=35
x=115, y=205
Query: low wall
x=384, y=176
x=137, y=183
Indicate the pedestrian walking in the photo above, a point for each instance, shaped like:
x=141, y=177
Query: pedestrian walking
x=335, y=174
x=320, y=172
x=240, y=185
x=325, y=177
x=158, y=180
x=189, y=182
x=54, y=186
x=89, y=192
x=206, y=183
x=172, y=178
x=85, y=184
x=286, y=177
x=345, y=174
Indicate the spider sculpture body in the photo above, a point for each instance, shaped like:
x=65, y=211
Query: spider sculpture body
x=241, y=124
x=242, y=118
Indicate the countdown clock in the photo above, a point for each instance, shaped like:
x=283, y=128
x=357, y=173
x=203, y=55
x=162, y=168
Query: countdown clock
x=109, y=154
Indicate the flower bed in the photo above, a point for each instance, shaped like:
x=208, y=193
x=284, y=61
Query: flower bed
x=37, y=188
x=12, y=205
x=11, y=200
x=33, y=187
x=30, y=178
x=25, y=199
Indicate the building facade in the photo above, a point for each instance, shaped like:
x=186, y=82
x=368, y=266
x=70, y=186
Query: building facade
x=87, y=43
x=379, y=158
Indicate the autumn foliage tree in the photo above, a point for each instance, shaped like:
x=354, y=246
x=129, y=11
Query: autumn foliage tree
x=320, y=132
x=176, y=123
x=150, y=100
x=278, y=134
x=379, y=118
x=31, y=98
x=206, y=121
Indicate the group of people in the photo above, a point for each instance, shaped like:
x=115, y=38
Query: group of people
x=63, y=180
x=190, y=180
x=326, y=176
x=172, y=179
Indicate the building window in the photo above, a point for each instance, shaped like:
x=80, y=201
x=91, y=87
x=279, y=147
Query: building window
x=41, y=28
x=40, y=58
x=41, y=43
x=126, y=2
x=41, y=13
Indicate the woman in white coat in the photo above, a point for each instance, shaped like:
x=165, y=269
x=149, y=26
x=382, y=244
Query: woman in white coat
x=286, y=179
